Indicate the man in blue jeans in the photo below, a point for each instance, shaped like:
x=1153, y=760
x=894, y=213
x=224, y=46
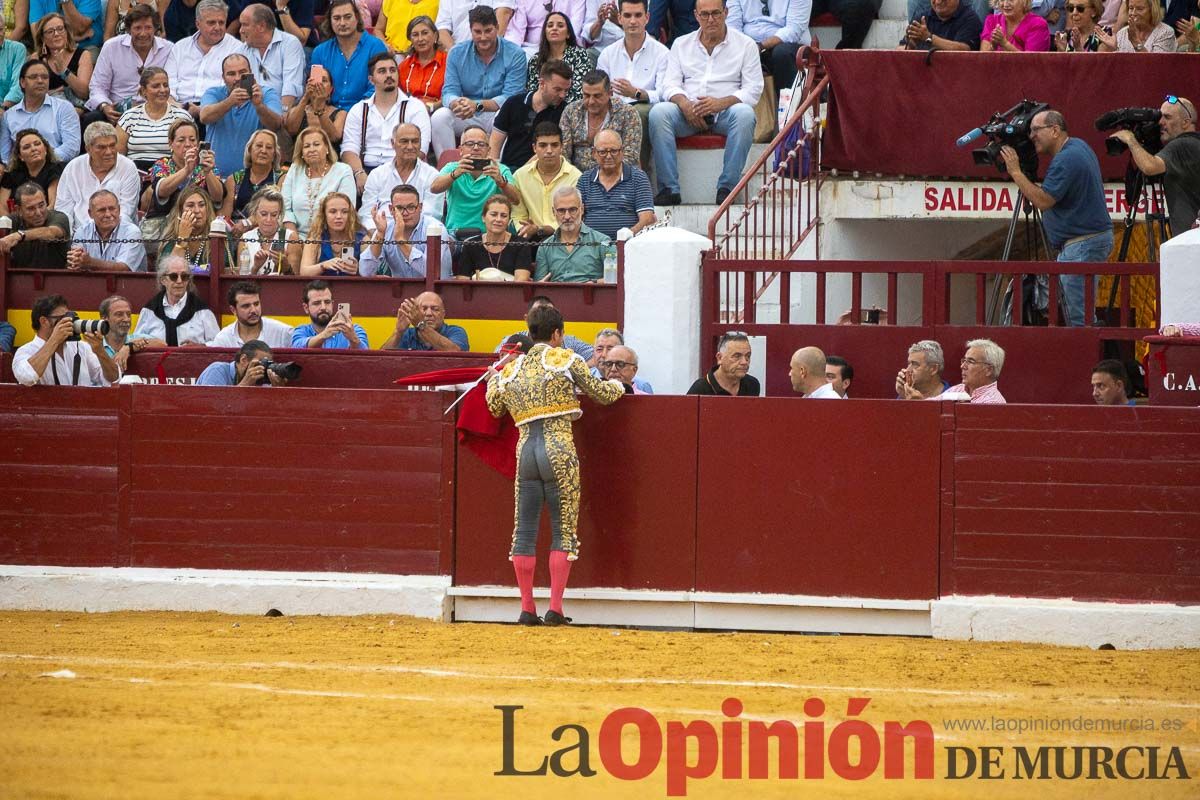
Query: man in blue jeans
x=713, y=81
x=1071, y=200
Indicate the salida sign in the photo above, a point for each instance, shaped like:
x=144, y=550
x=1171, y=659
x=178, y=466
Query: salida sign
x=960, y=198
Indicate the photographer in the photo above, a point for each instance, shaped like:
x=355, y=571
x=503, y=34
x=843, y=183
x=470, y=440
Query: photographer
x=1071, y=200
x=246, y=370
x=58, y=356
x=1178, y=161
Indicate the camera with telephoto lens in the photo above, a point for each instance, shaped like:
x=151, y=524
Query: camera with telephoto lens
x=1142, y=121
x=288, y=370
x=81, y=326
x=1010, y=128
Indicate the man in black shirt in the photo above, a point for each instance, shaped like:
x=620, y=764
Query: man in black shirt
x=729, y=376
x=1178, y=161
x=943, y=25
x=41, y=236
x=512, y=131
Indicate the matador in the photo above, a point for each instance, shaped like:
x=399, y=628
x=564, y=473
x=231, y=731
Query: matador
x=538, y=390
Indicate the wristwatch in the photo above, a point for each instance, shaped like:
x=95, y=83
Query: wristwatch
x=283, y=11
x=478, y=106
x=420, y=326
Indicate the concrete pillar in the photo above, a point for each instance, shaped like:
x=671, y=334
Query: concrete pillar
x=1180, y=279
x=662, y=305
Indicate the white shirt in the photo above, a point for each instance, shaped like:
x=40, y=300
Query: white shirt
x=192, y=71
x=787, y=19
x=251, y=243
x=732, y=69
x=282, y=67
x=377, y=190
x=62, y=365
x=645, y=70
x=123, y=246
x=78, y=183
x=609, y=33
x=202, y=328
x=452, y=16
x=274, y=333
x=826, y=392
x=379, y=128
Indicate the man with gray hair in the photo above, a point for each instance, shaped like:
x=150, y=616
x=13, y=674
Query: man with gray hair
x=100, y=166
x=981, y=368
x=731, y=374
x=926, y=362
x=807, y=372
x=575, y=252
x=607, y=340
x=107, y=242
x=195, y=62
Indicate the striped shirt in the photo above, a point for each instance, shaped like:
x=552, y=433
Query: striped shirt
x=609, y=210
x=148, y=137
x=984, y=395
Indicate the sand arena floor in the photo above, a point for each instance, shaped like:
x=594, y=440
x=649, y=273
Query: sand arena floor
x=166, y=705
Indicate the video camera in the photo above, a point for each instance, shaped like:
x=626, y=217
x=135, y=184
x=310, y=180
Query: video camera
x=81, y=326
x=287, y=370
x=1142, y=121
x=1010, y=128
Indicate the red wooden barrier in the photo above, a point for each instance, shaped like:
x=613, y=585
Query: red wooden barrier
x=637, y=521
x=1173, y=370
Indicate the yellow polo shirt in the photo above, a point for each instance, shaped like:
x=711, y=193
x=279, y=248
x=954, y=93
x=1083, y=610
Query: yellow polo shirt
x=535, y=195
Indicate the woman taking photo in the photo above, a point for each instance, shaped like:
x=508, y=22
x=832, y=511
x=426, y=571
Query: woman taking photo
x=32, y=160
x=336, y=245
x=1083, y=31
x=558, y=42
x=144, y=131
x=186, y=166
x=1145, y=33
x=1013, y=29
x=70, y=66
x=186, y=232
x=315, y=172
x=496, y=248
x=268, y=248
x=176, y=316
x=424, y=71
x=260, y=170
x=313, y=110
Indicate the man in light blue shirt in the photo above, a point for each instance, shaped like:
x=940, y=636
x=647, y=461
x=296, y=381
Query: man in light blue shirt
x=346, y=54
x=233, y=113
x=480, y=76
x=406, y=223
x=245, y=370
x=12, y=57
x=780, y=27
x=329, y=329
x=52, y=117
x=276, y=57
x=107, y=242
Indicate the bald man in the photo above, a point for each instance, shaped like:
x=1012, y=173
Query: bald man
x=421, y=325
x=1178, y=160
x=621, y=364
x=808, y=375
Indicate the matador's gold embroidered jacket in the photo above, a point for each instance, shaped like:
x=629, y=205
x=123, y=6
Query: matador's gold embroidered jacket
x=548, y=377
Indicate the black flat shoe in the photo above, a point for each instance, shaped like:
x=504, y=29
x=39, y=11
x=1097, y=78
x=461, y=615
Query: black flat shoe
x=667, y=198
x=555, y=618
x=529, y=618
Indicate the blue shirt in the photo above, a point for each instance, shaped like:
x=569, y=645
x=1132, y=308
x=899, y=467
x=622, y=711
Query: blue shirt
x=1073, y=180
x=467, y=75
x=410, y=340
x=349, y=76
x=391, y=260
x=129, y=252
x=218, y=373
x=609, y=210
x=87, y=8
x=338, y=341
x=55, y=119
x=230, y=133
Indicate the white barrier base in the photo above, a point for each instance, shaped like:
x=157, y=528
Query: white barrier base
x=1124, y=626
x=94, y=589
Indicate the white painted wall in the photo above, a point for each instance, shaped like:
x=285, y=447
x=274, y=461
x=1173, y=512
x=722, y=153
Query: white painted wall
x=1179, y=277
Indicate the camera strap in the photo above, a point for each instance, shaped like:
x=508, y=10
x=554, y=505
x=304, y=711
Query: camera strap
x=76, y=367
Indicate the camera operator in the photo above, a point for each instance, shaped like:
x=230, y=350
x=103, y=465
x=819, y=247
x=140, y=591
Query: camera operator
x=56, y=357
x=1178, y=161
x=246, y=370
x=1071, y=200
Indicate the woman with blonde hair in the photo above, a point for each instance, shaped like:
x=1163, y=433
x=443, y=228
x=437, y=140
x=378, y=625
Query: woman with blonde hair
x=186, y=232
x=1014, y=29
x=1145, y=33
x=268, y=248
x=261, y=169
x=335, y=240
x=70, y=65
x=315, y=172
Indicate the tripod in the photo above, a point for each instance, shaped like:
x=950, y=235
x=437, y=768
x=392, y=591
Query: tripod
x=1138, y=189
x=1000, y=304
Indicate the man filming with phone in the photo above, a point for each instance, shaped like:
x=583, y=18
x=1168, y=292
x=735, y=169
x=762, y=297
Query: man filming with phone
x=330, y=329
x=233, y=112
x=62, y=353
x=470, y=181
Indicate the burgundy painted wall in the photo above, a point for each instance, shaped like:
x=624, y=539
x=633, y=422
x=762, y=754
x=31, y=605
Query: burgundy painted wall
x=1173, y=370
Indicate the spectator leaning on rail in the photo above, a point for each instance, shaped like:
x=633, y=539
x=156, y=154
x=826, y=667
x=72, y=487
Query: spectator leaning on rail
x=575, y=253
x=330, y=329
x=1178, y=161
x=1110, y=383
x=245, y=301
x=1071, y=199
x=926, y=362
x=980, y=370
x=101, y=167
x=713, y=81
x=245, y=370
x=807, y=373
x=53, y=359
x=108, y=242
x=730, y=375
x=421, y=325
x=621, y=364
x=839, y=373
x=40, y=236
x=943, y=25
